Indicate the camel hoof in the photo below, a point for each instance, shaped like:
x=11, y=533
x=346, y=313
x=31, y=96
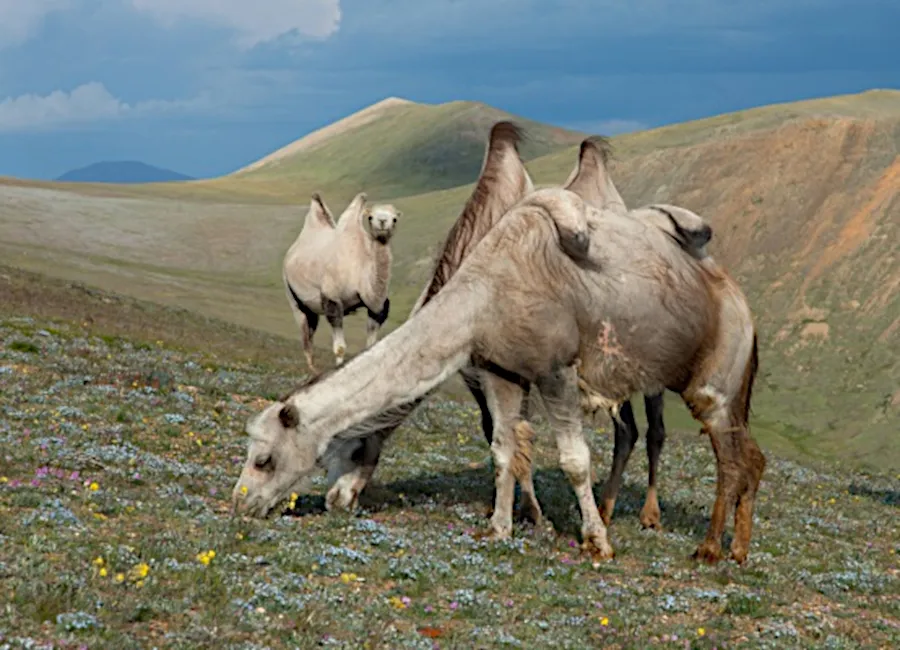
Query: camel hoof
x=739, y=555
x=491, y=535
x=708, y=552
x=651, y=520
x=599, y=550
x=337, y=499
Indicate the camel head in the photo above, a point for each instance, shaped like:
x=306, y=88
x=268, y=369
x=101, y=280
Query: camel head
x=380, y=221
x=279, y=458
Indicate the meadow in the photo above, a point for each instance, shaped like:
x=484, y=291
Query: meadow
x=121, y=427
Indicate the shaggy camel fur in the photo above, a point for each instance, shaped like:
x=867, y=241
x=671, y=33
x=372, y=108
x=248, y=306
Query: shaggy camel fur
x=556, y=285
x=482, y=211
x=334, y=269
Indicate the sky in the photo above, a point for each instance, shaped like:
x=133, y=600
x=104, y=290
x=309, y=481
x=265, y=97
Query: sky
x=204, y=87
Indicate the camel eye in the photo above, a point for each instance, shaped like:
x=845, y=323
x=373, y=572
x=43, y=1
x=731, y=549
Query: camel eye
x=395, y=220
x=264, y=463
x=370, y=218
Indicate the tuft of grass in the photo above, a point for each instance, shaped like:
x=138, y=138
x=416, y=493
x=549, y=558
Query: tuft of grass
x=24, y=346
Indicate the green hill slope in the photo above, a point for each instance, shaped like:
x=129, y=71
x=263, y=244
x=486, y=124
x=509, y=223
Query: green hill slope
x=399, y=147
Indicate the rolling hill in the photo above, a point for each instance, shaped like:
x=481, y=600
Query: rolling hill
x=804, y=199
x=122, y=171
x=400, y=147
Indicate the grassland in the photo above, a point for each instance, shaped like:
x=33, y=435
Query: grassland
x=804, y=199
x=120, y=426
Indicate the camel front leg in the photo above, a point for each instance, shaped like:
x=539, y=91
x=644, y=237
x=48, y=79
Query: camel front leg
x=626, y=433
x=374, y=322
x=334, y=312
x=563, y=403
x=504, y=399
x=656, y=436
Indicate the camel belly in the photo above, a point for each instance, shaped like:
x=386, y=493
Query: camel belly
x=618, y=359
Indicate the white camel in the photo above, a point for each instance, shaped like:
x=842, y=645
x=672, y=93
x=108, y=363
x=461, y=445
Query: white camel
x=559, y=290
x=334, y=269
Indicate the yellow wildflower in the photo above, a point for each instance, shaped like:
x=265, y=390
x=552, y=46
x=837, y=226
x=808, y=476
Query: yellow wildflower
x=120, y=577
x=98, y=561
x=396, y=602
x=347, y=578
x=206, y=557
x=832, y=501
x=244, y=490
x=701, y=631
x=94, y=486
x=239, y=536
x=3, y=479
x=604, y=621
x=141, y=571
x=139, y=583
x=199, y=442
x=103, y=572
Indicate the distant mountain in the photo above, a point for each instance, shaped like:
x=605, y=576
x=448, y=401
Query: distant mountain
x=122, y=171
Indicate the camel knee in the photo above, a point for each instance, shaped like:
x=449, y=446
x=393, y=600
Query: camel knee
x=575, y=460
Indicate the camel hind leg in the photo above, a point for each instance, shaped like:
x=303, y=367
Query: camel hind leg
x=307, y=320
x=739, y=461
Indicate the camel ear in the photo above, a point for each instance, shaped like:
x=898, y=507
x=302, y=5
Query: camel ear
x=591, y=180
x=289, y=416
x=398, y=214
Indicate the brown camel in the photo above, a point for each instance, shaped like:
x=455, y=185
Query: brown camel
x=559, y=290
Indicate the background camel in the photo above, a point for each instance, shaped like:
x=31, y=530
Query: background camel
x=334, y=269
x=558, y=284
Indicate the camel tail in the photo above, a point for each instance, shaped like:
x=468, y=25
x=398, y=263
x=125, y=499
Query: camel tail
x=743, y=416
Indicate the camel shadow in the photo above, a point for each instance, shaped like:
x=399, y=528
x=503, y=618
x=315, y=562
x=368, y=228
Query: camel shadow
x=475, y=487
x=886, y=497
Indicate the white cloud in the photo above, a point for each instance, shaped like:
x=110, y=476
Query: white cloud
x=87, y=103
x=255, y=21
x=19, y=18
x=609, y=127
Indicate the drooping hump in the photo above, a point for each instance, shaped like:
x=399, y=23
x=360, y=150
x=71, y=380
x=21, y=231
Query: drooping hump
x=502, y=183
x=591, y=179
x=319, y=214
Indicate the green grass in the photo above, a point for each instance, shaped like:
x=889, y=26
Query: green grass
x=120, y=454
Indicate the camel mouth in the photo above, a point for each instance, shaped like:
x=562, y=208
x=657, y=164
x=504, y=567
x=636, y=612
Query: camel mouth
x=383, y=238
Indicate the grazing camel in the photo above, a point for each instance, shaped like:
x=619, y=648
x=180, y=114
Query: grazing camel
x=559, y=290
x=481, y=212
x=333, y=269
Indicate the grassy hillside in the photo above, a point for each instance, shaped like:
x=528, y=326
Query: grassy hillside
x=400, y=148
x=803, y=198
x=119, y=455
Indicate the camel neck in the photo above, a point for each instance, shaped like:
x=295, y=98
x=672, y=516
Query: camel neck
x=398, y=371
